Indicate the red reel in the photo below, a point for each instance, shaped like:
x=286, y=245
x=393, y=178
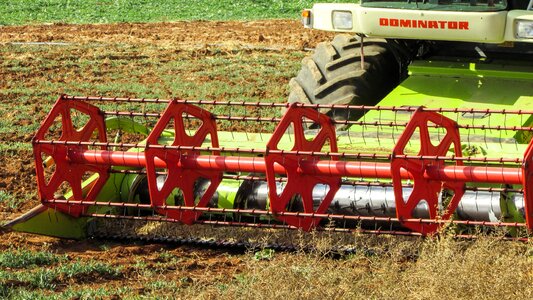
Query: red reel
x=299, y=184
x=67, y=171
x=179, y=178
x=425, y=189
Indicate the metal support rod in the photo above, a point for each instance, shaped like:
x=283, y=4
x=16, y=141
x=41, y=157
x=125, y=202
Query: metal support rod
x=358, y=169
x=340, y=122
x=340, y=155
x=259, y=212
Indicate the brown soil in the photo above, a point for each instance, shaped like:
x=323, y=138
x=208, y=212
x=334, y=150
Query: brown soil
x=280, y=33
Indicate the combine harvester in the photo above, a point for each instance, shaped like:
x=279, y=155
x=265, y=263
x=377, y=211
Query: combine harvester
x=420, y=117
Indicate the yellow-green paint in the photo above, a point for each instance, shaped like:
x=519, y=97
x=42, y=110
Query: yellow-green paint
x=54, y=223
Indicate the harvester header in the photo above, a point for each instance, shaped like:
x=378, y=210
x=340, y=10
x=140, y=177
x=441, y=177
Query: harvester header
x=185, y=164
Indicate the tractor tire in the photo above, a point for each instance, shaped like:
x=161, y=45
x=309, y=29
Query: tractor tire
x=333, y=75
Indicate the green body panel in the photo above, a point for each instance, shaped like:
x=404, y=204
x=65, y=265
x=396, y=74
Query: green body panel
x=227, y=191
x=48, y=221
x=127, y=125
x=467, y=85
x=459, y=85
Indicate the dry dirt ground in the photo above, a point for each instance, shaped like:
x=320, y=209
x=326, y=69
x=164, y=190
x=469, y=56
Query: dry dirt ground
x=276, y=33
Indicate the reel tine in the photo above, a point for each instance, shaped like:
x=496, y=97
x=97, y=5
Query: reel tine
x=363, y=129
x=259, y=110
x=395, y=120
x=246, y=123
x=348, y=131
x=230, y=115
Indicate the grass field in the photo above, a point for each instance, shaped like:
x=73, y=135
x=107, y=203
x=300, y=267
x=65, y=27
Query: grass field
x=385, y=268
x=216, y=60
x=136, y=70
x=113, y=11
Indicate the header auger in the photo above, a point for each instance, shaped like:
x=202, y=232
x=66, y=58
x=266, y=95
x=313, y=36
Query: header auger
x=178, y=166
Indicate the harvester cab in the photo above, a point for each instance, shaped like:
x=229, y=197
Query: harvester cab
x=417, y=116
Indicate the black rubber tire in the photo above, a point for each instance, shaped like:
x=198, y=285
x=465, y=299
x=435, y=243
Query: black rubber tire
x=333, y=75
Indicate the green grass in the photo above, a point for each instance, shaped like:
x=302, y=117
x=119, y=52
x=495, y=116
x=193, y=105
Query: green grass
x=24, y=271
x=113, y=11
x=7, y=149
x=93, y=270
x=10, y=201
x=383, y=268
x=79, y=293
x=22, y=258
x=235, y=76
x=7, y=292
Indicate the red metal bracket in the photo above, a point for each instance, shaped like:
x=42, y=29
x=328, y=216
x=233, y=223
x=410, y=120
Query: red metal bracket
x=66, y=170
x=179, y=177
x=425, y=189
x=299, y=184
x=527, y=185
